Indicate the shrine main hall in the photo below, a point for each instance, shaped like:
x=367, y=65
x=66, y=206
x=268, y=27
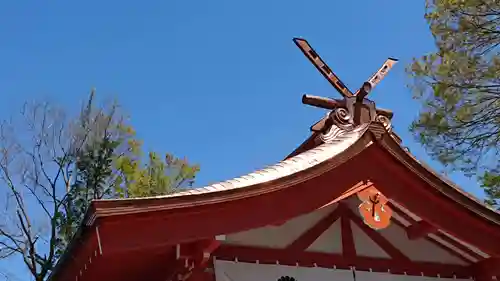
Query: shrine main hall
x=351, y=203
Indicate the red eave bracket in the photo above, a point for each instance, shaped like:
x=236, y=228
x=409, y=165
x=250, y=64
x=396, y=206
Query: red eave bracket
x=192, y=259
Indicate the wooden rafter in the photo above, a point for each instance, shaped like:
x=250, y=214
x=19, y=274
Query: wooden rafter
x=423, y=194
x=340, y=86
x=419, y=229
x=192, y=259
x=459, y=246
x=348, y=246
x=356, y=104
x=435, y=243
x=410, y=233
x=451, y=251
x=322, y=67
x=400, y=212
x=486, y=269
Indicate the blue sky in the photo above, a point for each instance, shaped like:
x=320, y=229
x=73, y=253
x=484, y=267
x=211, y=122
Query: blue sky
x=220, y=81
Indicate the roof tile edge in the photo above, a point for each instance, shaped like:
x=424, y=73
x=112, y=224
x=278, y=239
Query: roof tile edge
x=334, y=144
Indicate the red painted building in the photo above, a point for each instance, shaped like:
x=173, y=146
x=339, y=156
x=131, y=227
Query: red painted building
x=350, y=203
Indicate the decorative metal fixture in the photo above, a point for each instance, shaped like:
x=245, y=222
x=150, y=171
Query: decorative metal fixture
x=374, y=209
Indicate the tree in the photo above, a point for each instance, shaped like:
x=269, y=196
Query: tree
x=459, y=88
x=156, y=177
x=111, y=167
x=53, y=165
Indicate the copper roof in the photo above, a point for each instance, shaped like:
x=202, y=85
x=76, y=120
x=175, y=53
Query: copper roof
x=300, y=162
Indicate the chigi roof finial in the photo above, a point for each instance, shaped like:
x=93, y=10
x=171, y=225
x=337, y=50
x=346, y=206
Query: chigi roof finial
x=354, y=109
x=346, y=114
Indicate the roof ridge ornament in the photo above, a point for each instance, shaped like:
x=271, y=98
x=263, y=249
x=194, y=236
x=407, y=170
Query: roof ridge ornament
x=347, y=114
x=354, y=109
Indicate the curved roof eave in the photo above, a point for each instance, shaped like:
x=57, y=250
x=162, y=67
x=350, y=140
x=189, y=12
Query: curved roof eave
x=439, y=182
x=308, y=159
x=285, y=168
x=299, y=163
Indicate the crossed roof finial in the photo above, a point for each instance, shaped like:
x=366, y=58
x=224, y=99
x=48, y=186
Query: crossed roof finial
x=359, y=109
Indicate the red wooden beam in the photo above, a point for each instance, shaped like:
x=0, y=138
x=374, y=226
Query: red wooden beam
x=424, y=200
x=383, y=243
x=437, y=244
x=327, y=260
x=442, y=236
x=449, y=250
x=192, y=259
x=459, y=246
x=199, y=251
x=205, y=250
x=229, y=216
x=348, y=247
x=79, y=263
x=400, y=212
x=176, y=267
x=279, y=223
x=486, y=269
x=201, y=275
x=419, y=230
x=306, y=239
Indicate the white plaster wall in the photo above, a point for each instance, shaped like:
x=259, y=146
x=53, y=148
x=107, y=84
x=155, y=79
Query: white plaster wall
x=328, y=242
x=279, y=236
x=364, y=245
x=418, y=249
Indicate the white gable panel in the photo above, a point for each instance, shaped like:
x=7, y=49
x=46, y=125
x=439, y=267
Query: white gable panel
x=364, y=245
x=279, y=236
x=414, y=217
x=418, y=249
x=328, y=242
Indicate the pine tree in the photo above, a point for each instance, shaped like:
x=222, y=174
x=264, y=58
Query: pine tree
x=459, y=88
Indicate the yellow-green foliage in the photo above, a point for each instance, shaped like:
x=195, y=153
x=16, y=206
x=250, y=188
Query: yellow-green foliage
x=156, y=175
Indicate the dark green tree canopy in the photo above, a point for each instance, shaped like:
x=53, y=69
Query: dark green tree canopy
x=459, y=88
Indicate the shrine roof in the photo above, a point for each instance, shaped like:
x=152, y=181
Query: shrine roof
x=348, y=121
x=339, y=147
x=303, y=159
x=289, y=166
x=353, y=145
